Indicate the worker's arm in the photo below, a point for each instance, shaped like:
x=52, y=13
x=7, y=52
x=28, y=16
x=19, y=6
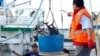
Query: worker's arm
x=16, y=53
x=87, y=24
x=89, y=31
x=91, y=43
x=68, y=13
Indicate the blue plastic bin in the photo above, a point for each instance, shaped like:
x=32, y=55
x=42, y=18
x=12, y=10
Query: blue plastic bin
x=52, y=43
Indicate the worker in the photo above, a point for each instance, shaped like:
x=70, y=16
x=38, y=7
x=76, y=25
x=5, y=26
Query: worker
x=81, y=29
x=33, y=53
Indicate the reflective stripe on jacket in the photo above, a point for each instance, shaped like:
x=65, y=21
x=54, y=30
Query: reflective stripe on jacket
x=77, y=34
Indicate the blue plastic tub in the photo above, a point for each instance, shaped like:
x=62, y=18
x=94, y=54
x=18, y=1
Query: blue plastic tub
x=52, y=43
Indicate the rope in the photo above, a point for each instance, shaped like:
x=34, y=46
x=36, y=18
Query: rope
x=27, y=26
x=50, y=11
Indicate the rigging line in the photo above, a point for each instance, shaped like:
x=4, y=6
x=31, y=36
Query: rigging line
x=50, y=11
x=47, y=16
x=53, y=19
x=61, y=17
x=27, y=26
x=36, y=13
x=23, y=3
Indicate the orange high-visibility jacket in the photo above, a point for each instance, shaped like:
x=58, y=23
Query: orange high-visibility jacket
x=77, y=34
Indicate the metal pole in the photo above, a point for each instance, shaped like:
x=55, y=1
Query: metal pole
x=0, y=31
x=97, y=40
x=97, y=49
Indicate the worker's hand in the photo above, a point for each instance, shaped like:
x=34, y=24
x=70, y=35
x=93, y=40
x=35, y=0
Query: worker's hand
x=91, y=44
x=70, y=14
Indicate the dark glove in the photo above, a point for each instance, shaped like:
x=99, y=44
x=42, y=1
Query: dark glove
x=91, y=44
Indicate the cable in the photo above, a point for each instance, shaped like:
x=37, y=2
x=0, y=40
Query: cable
x=27, y=26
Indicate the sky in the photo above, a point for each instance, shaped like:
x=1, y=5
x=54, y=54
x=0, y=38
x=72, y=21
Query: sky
x=58, y=5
